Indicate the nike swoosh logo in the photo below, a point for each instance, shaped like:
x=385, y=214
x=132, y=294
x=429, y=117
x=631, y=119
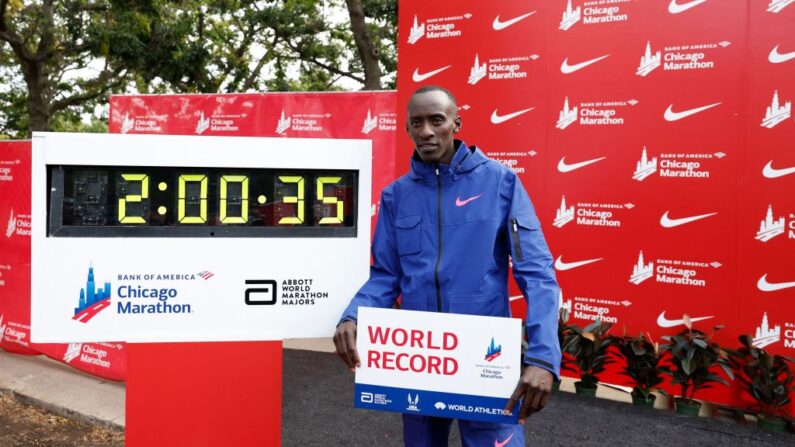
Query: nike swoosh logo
x=670, y=115
x=770, y=172
x=459, y=202
x=564, y=167
x=676, y=8
x=502, y=444
x=498, y=25
x=565, y=68
x=560, y=265
x=664, y=322
x=417, y=77
x=776, y=58
x=766, y=286
x=499, y=119
x=667, y=222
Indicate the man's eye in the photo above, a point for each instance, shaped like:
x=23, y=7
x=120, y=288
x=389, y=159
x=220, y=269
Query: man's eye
x=437, y=121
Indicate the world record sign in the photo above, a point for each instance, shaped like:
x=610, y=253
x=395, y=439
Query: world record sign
x=152, y=238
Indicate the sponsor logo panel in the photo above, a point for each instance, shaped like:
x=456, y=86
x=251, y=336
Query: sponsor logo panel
x=437, y=27
x=382, y=121
x=500, y=68
x=7, y=170
x=594, y=12
x=303, y=122
x=219, y=123
x=676, y=272
x=682, y=57
x=143, y=124
x=676, y=165
x=593, y=113
x=96, y=354
x=594, y=308
x=593, y=214
x=14, y=332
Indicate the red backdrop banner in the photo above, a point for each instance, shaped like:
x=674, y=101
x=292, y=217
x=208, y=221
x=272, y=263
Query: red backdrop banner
x=655, y=140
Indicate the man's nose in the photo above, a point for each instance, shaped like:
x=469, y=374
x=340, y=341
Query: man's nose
x=425, y=131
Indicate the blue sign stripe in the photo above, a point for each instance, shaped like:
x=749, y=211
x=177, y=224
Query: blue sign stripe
x=432, y=403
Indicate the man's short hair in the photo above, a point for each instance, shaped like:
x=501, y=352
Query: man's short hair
x=436, y=88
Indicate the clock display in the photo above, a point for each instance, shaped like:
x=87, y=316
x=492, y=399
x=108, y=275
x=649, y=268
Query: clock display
x=126, y=201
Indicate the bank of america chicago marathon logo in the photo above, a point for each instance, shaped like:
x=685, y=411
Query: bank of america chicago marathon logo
x=775, y=6
x=301, y=122
x=500, y=68
x=383, y=121
x=593, y=12
x=132, y=297
x=218, y=123
x=18, y=224
x=89, y=353
x=590, y=214
x=437, y=27
x=6, y=170
x=146, y=124
x=493, y=351
x=777, y=112
x=675, y=165
x=683, y=57
x=591, y=308
x=771, y=227
x=768, y=333
x=593, y=113
x=672, y=271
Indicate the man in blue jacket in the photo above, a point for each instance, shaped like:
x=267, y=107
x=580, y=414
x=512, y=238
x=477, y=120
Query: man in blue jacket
x=442, y=241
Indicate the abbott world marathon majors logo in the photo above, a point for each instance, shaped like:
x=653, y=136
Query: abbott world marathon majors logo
x=302, y=122
x=383, y=121
x=676, y=272
x=768, y=333
x=437, y=27
x=683, y=57
x=219, y=122
x=592, y=308
x=592, y=214
x=593, y=113
x=151, y=293
x=500, y=68
x=18, y=225
x=142, y=124
x=771, y=226
x=286, y=292
x=594, y=12
x=676, y=165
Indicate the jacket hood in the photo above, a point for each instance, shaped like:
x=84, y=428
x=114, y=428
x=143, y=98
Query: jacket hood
x=465, y=159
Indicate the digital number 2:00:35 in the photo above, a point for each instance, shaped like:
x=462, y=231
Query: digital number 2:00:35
x=128, y=196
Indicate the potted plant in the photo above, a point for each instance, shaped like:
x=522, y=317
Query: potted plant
x=768, y=379
x=642, y=365
x=588, y=347
x=693, y=357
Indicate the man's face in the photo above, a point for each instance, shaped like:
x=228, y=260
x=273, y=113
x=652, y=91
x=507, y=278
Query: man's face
x=432, y=122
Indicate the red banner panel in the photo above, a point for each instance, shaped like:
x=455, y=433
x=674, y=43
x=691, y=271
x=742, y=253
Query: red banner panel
x=654, y=138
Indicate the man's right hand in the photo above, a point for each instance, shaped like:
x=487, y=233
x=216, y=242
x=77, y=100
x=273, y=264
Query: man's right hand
x=345, y=341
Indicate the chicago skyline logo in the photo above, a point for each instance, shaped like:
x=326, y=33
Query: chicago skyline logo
x=72, y=352
x=564, y=214
x=649, y=61
x=370, y=123
x=2, y=327
x=590, y=213
x=92, y=300
x=12, y=224
x=567, y=116
x=417, y=31
x=477, y=72
x=645, y=167
x=641, y=271
x=766, y=335
x=127, y=124
x=284, y=123
x=492, y=351
x=570, y=17
x=563, y=304
x=776, y=112
x=775, y=6
x=770, y=228
x=203, y=124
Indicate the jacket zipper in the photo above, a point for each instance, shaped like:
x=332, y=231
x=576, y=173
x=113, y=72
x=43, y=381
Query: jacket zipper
x=439, y=256
x=517, y=247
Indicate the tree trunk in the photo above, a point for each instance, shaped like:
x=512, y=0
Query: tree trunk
x=368, y=52
x=38, y=105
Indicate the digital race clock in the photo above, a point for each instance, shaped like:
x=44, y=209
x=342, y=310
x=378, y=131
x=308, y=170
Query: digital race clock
x=150, y=238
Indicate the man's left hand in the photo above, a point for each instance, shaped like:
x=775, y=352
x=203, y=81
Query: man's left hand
x=534, y=388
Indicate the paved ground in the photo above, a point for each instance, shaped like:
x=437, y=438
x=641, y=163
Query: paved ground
x=318, y=410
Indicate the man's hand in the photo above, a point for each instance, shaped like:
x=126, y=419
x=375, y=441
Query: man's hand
x=534, y=386
x=345, y=341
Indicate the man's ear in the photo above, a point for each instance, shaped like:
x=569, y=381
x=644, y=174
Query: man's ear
x=407, y=128
x=457, y=124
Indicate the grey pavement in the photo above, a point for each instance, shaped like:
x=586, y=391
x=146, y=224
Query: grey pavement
x=317, y=410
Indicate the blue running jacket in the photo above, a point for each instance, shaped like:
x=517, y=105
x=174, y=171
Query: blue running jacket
x=442, y=241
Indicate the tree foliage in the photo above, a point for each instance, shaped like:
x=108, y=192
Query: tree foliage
x=60, y=59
